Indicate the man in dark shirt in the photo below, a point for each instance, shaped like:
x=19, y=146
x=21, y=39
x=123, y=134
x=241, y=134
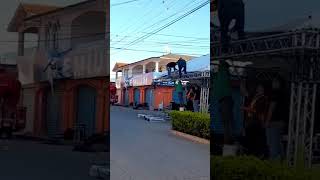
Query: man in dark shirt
x=196, y=100
x=170, y=66
x=275, y=120
x=227, y=11
x=182, y=65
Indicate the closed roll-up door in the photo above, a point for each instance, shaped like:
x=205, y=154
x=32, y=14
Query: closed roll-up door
x=136, y=96
x=86, y=109
x=54, y=113
x=149, y=97
x=126, y=97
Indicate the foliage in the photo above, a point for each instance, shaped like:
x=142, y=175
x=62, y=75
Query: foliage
x=193, y=123
x=251, y=168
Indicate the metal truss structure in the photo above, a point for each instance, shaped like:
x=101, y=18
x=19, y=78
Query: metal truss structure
x=301, y=124
x=190, y=75
x=200, y=78
x=302, y=49
x=268, y=45
x=204, y=96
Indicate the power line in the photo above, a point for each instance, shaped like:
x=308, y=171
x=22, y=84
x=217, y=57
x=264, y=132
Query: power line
x=147, y=14
x=172, y=15
x=162, y=20
x=169, y=24
x=177, y=44
x=126, y=2
x=189, y=42
x=204, y=38
x=168, y=35
x=141, y=50
x=139, y=19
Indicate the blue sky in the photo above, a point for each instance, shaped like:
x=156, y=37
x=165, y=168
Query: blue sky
x=132, y=20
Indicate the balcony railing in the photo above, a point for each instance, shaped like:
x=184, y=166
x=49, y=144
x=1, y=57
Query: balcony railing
x=89, y=60
x=138, y=80
x=84, y=61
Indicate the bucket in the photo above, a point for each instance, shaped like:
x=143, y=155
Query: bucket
x=229, y=150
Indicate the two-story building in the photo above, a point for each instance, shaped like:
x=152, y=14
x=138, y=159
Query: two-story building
x=63, y=91
x=135, y=85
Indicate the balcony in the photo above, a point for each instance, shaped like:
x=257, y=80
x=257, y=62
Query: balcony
x=26, y=66
x=84, y=61
x=89, y=60
x=138, y=80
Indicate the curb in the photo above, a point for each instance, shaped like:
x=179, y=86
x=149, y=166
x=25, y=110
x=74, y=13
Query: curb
x=190, y=137
x=32, y=138
x=41, y=139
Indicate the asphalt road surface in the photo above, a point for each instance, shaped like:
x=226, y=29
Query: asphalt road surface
x=35, y=161
x=141, y=150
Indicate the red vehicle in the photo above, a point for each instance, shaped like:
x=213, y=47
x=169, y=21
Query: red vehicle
x=113, y=93
x=11, y=115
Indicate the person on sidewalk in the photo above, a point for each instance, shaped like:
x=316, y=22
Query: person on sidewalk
x=196, y=101
x=222, y=93
x=255, y=129
x=275, y=120
x=190, y=98
x=179, y=90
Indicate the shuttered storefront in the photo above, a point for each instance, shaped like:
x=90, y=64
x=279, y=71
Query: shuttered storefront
x=54, y=113
x=149, y=96
x=136, y=96
x=126, y=97
x=86, y=109
x=28, y=95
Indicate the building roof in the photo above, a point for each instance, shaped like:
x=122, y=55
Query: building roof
x=117, y=66
x=25, y=10
x=60, y=9
x=169, y=56
x=34, y=9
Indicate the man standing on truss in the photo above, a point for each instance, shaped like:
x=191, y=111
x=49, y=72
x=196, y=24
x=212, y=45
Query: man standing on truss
x=229, y=10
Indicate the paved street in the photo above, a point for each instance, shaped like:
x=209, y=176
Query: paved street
x=142, y=150
x=35, y=161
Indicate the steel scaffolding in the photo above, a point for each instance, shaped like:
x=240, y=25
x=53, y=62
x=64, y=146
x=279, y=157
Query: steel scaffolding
x=301, y=48
x=200, y=78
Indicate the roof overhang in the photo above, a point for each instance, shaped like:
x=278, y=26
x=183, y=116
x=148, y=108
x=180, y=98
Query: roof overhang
x=25, y=10
x=59, y=9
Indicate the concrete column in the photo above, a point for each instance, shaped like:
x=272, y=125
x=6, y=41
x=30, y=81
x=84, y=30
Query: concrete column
x=116, y=75
x=144, y=68
x=157, y=66
x=21, y=44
